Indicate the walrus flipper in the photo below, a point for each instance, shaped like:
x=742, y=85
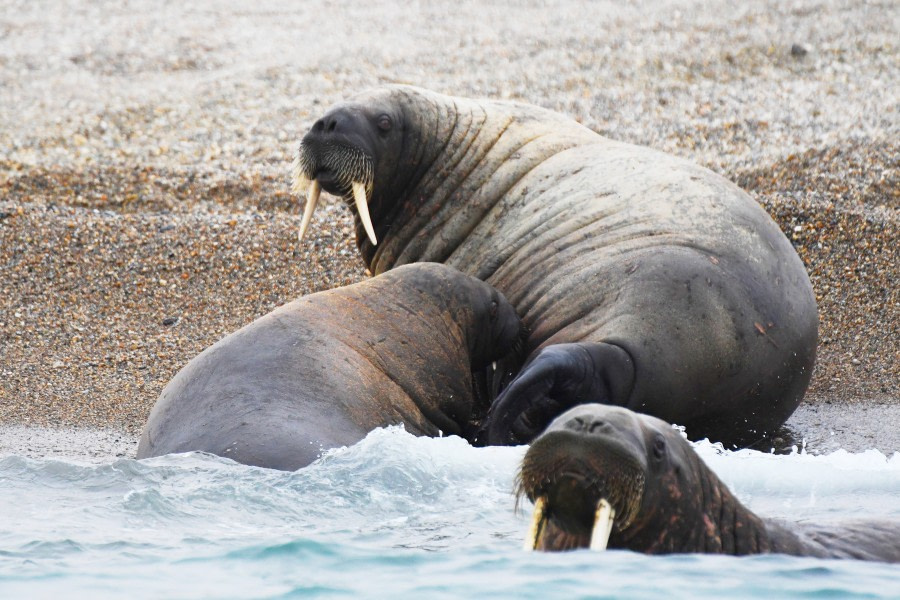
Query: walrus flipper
x=559, y=377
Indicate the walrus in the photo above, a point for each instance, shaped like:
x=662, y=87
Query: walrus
x=324, y=370
x=644, y=281
x=604, y=476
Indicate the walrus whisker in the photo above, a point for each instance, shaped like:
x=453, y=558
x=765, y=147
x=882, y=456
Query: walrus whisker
x=352, y=172
x=301, y=171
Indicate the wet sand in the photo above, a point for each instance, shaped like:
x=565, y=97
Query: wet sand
x=144, y=158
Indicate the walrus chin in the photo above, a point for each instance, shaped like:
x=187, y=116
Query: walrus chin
x=346, y=171
x=579, y=498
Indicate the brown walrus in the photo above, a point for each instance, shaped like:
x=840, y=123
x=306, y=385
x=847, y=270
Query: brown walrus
x=324, y=370
x=603, y=475
x=645, y=281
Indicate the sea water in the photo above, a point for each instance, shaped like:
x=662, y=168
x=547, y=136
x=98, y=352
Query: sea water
x=394, y=516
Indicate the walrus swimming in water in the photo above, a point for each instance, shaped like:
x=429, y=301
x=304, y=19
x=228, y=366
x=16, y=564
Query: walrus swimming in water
x=324, y=370
x=644, y=281
x=602, y=475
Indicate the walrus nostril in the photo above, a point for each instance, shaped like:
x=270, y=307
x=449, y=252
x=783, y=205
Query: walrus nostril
x=576, y=424
x=326, y=124
x=586, y=426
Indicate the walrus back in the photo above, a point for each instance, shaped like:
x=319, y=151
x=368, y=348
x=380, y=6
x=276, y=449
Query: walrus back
x=666, y=260
x=597, y=242
x=255, y=395
x=326, y=369
x=861, y=539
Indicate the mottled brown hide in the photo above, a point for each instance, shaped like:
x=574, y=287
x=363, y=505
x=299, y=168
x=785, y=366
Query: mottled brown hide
x=671, y=502
x=324, y=370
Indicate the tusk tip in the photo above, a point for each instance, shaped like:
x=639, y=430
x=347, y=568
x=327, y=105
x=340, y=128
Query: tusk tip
x=603, y=523
x=533, y=538
x=362, y=209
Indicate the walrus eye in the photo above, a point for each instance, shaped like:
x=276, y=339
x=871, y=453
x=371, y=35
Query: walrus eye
x=494, y=310
x=659, y=448
x=385, y=123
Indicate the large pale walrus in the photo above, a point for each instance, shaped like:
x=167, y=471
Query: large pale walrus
x=645, y=281
x=324, y=370
x=603, y=476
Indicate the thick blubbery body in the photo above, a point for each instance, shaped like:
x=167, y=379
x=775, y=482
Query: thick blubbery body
x=324, y=370
x=645, y=281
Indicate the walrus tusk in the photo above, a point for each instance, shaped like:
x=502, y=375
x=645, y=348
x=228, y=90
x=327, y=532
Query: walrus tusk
x=312, y=199
x=362, y=207
x=603, y=522
x=537, y=524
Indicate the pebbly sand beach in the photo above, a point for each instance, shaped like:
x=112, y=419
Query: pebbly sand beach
x=145, y=154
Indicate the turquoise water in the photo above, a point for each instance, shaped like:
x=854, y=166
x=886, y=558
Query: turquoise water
x=393, y=516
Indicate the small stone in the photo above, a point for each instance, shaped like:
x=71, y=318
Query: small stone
x=169, y=321
x=799, y=50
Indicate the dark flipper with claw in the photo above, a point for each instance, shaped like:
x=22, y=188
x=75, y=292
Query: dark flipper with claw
x=559, y=377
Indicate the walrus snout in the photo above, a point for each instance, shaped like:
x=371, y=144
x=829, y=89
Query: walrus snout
x=333, y=157
x=600, y=421
x=328, y=124
x=338, y=133
x=585, y=475
x=588, y=426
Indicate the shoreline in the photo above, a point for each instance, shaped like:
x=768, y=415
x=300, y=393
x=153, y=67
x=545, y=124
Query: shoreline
x=818, y=429
x=145, y=205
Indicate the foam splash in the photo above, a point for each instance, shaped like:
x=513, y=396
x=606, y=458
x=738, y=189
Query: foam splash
x=400, y=511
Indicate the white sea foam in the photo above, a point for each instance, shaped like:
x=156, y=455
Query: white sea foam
x=392, y=514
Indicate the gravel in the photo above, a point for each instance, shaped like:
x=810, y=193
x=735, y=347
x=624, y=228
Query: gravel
x=91, y=444
x=145, y=153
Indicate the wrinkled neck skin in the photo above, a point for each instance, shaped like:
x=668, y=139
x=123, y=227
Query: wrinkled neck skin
x=487, y=322
x=692, y=511
x=466, y=325
x=457, y=161
x=492, y=333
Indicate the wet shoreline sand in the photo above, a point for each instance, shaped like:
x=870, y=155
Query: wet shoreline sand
x=144, y=157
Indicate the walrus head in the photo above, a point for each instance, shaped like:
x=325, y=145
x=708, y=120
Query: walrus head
x=586, y=476
x=342, y=151
x=605, y=476
x=420, y=169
